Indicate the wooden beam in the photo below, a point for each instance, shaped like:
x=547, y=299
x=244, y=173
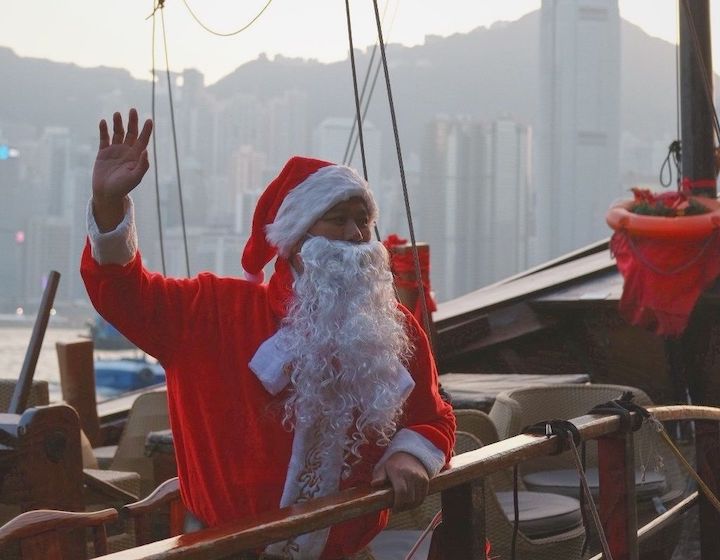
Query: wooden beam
x=77, y=379
x=707, y=446
x=618, y=510
x=463, y=526
x=221, y=542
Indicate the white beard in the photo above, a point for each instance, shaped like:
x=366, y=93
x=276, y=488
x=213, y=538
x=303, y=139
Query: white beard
x=348, y=341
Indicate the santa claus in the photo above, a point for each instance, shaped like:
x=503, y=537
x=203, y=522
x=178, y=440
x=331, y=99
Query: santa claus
x=279, y=392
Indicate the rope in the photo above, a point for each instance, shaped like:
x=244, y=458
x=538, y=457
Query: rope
x=625, y=403
x=516, y=514
x=688, y=467
x=174, y=136
x=588, y=495
x=680, y=268
x=674, y=154
x=358, y=119
x=349, y=153
x=568, y=434
x=352, y=136
x=416, y=258
x=154, y=145
x=230, y=34
x=355, y=90
x=436, y=520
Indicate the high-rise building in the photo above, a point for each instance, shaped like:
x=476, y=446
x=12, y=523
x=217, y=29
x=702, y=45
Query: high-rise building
x=473, y=206
x=578, y=136
x=48, y=248
x=330, y=142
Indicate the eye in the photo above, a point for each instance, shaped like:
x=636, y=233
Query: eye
x=338, y=220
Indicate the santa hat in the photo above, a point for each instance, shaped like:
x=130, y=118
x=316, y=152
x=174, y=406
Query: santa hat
x=305, y=189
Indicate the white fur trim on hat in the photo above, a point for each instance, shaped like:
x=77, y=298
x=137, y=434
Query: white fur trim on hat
x=309, y=200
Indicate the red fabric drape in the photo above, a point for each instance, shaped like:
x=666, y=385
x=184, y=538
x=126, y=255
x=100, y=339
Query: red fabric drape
x=664, y=278
x=403, y=268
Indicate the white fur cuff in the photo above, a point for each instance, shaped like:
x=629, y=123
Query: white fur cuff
x=268, y=364
x=418, y=446
x=117, y=246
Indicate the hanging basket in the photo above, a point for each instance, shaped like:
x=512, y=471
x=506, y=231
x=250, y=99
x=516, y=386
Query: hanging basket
x=666, y=261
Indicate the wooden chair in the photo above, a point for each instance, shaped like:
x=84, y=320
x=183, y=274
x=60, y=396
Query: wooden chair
x=47, y=534
x=518, y=408
x=149, y=413
x=550, y=526
x=166, y=494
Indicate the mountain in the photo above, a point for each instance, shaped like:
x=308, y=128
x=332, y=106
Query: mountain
x=486, y=73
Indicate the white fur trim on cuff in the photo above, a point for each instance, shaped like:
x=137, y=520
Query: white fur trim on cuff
x=117, y=246
x=418, y=446
x=268, y=365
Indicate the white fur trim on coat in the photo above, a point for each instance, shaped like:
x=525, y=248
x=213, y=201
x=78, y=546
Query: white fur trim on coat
x=309, y=200
x=409, y=441
x=117, y=246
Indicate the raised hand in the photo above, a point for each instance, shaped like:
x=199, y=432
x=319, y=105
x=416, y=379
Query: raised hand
x=120, y=165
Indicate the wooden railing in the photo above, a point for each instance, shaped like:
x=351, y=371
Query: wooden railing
x=463, y=508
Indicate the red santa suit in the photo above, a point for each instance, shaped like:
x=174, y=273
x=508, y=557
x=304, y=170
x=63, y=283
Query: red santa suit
x=235, y=458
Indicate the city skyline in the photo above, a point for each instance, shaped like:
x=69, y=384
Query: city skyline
x=234, y=137
x=120, y=35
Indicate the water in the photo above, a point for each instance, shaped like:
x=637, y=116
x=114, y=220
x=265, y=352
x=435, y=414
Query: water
x=14, y=341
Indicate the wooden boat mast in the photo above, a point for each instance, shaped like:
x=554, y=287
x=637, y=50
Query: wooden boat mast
x=696, y=99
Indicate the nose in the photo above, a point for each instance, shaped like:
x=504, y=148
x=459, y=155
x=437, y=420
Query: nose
x=352, y=232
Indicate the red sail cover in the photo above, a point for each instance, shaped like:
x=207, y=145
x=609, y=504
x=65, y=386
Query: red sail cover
x=403, y=268
x=664, y=278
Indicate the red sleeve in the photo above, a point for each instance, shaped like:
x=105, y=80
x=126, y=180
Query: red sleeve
x=425, y=411
x=154, y=312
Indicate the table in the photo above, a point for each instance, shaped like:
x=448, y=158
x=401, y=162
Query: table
x=478, y=390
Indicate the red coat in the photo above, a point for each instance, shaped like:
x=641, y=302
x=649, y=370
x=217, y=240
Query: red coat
x=232, y=451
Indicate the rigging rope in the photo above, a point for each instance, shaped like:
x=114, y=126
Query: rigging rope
x=231, y=33
x=154, y=145
x=352, y=139
x=355, y=90
x=174, y=136
x=416, y=257
x=348, y=156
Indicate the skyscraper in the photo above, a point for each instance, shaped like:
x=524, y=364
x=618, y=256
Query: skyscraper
x=579, y=123
x=474, y=206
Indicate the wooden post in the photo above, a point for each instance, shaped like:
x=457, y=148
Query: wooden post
x=707, y=447
x=77, y=379
x=696, y=99
x=618, y=509
x=463, y=526
x=22, y=388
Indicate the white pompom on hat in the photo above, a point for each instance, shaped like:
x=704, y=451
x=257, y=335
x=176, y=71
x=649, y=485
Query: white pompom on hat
x=304, y=190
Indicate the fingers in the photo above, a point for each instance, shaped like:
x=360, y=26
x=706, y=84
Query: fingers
x=144, y=137
x=409, y=492
x=104, y=135
x=141, y=168
x=379, y=477
x=132, y=131
x=118, y=130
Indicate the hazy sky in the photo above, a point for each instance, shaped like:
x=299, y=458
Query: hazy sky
x=115, y=32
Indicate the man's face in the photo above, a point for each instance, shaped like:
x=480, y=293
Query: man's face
x=346, y=221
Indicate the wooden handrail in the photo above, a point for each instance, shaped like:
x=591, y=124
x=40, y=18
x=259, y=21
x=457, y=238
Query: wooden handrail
x=220, y=542
x=40, y=520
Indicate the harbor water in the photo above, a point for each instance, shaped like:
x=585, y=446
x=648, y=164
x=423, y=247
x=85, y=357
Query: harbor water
x=14, y=341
